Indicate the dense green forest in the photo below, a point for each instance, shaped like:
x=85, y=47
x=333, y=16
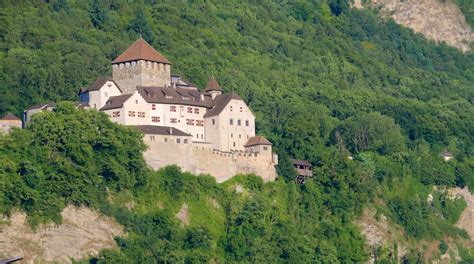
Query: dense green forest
x=324, y=82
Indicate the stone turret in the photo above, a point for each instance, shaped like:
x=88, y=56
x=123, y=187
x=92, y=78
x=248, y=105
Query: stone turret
x=141, y=65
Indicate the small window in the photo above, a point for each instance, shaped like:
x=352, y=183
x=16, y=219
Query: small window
x=190, y=122
x=196, y=110
x=141, y=114
x=202, y=136
x=152, y=138
x=178, y=140
x=155, y=119
x=231, y=135
x=265, y=148
x=231, y=121
x=234, y=144
x=240, y=136
x=105, y=94
x=241, y=109
x=239, y=122
x=131, y=113
x=247, y=123
x=173, y=120
x=185, y=141
x=172, y=108
x=197, y=136
x=166, y=139
x=190, y=110
x=116, y=114
x=231, y=108
x=153, y=106
x=213, y=121
x=199, y=123
x=136, y=101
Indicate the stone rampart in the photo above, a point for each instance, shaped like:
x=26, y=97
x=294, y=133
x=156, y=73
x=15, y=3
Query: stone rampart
x=199, y=158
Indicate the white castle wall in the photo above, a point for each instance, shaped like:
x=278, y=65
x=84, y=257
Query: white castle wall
x=200, y=158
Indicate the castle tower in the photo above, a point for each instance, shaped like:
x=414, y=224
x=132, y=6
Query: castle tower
x=141, y=65
x=213, y=88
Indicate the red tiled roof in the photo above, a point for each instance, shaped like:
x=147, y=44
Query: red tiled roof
x=257, y=140
x=141, y=50
x=213, y=85
x=10, y=117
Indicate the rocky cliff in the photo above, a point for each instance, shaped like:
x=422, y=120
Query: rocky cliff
x=83, y=233
x=438, y=20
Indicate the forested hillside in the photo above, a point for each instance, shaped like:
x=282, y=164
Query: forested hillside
x=324, y=81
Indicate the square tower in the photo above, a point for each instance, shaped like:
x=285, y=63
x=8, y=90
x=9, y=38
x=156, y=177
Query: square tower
x=141, y=65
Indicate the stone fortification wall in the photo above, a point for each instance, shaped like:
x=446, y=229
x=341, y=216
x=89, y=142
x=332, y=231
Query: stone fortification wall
x=200, y=158
x=129, y=75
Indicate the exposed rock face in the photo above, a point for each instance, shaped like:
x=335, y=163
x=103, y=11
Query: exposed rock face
x=183, y=215
x=438, y=20
x=82, y=233
x=466, y=220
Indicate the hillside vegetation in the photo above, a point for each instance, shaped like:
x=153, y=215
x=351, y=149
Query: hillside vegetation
x=324, y=81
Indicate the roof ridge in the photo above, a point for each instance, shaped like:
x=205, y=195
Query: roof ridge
x=141, y=50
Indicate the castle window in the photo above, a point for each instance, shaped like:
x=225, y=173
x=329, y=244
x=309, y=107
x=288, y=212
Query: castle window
x=190, y=110
x=155, y=119
x=166, y=139
x=231, y=135
x=199, y=123
x=213, y=121
x=178, y=140
x=202, y=136
x=240, y=136
x=197, y=136
x=196, y=110
x=234, y=144
x=105, y=94
x=190, y=122
x=136, y=101
x=153, y=106
x=152, y=138
x=141, y=114
x=116, y=114
x=239, y=122
x=247, y=123
x=185, y=141
x=265, y=148
x=131, y=113
x=173, y=120
x=172, y=108
x=241, y=109
x=231, y=108
x=231, y=121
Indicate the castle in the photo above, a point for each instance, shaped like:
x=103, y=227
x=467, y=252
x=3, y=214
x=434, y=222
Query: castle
x=201, y=131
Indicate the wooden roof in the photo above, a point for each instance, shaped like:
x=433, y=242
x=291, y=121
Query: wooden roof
x=301, y=162
x=141, y=50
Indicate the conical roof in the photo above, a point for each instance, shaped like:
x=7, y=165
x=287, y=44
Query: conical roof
x=212, y=85
x=141, y=50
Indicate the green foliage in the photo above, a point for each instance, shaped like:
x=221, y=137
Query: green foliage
x=323, y=80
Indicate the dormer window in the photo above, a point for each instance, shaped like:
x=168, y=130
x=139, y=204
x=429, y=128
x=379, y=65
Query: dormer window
x=168, y=97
